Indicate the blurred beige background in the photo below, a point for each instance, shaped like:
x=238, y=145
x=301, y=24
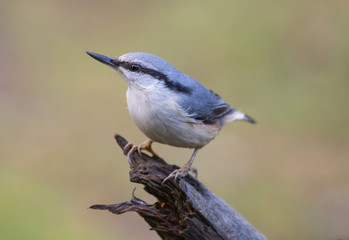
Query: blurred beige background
x=286, y=63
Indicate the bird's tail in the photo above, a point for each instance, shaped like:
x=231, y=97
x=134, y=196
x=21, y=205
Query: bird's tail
x=235, y=115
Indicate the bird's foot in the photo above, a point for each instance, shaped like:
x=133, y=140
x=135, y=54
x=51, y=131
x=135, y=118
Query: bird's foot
x=180, y=173
x=183, y=171
x=144, y=146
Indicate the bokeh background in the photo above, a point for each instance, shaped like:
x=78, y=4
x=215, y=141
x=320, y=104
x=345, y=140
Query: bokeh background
x=286, y=63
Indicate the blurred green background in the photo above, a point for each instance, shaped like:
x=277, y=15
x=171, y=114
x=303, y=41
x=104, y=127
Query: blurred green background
x=286, y=63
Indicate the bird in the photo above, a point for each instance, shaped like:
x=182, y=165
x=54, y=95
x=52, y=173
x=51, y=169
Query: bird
x=170, y=107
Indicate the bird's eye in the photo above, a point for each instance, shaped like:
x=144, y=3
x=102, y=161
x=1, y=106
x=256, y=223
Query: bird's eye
x=135, y=67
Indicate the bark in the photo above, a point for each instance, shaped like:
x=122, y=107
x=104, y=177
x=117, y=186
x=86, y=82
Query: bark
x=185, y=209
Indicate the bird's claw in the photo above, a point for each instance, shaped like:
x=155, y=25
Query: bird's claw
x=139, y=149
x=127, y=147
x=183, y=171
x=131, y=148
x=175, y=174
x=147, y=146
x=180, y=173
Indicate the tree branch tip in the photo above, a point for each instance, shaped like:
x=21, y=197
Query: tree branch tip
x=98, y=207
x=121, y=141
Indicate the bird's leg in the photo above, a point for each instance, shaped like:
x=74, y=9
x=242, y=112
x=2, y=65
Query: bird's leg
x=144, y=146
x=183, y=171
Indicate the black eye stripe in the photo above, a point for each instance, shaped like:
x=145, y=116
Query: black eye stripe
x=174, y=86
x=134, y=67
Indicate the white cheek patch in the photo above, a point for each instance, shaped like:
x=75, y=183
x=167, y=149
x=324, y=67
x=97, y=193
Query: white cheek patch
x=139, y=80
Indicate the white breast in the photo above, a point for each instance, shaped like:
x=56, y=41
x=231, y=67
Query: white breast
x=158, y=115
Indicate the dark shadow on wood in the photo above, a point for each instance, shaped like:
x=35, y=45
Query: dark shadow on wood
x=186, y=209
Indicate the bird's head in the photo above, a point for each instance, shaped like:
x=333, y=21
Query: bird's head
x=140, y=70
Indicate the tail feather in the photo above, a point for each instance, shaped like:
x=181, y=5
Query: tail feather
x=236, y=115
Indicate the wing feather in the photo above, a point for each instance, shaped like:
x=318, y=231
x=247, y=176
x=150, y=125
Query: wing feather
x=207, y=108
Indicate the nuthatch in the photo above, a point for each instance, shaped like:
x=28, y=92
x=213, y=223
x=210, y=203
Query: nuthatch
x=169, y=106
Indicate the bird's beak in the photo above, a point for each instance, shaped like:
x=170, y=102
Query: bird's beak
x=111, y=62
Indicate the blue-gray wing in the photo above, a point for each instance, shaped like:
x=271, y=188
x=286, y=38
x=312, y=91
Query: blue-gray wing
x=205, y=106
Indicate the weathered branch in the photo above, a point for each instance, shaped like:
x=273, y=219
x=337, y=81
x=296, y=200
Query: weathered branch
x=186, y=209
